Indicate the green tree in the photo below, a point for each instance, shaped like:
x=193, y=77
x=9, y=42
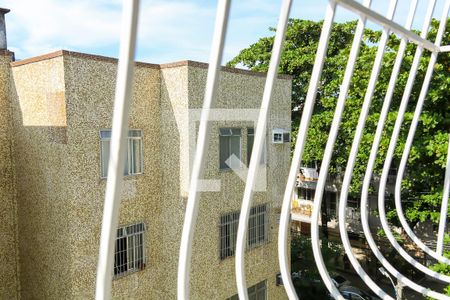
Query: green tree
x=423, y=183
x=422, y=186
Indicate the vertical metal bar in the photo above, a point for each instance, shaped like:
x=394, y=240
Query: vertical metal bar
x=257, y=148
x=444, y=205
x=122, y=103
x=315, y=240
x=184, y=263
x=354, y=150
x=298, y=151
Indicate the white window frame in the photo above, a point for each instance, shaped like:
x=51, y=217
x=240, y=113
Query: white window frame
x=135, y=236
x=129, y=157
x=231, y=133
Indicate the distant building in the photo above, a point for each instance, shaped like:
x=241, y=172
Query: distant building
x=304, y=198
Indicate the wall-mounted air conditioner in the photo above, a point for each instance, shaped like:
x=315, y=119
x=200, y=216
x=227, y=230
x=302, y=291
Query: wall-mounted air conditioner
x=281, y=136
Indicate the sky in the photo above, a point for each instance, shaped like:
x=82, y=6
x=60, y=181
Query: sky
x=169, y=30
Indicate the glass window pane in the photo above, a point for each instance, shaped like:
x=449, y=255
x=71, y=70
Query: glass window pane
x=126, y=170
x=250, y=140
x=235, y=148
x=135, y=156
x=261, y=295
x=105, y=134
x=224, y=151
x=235, y=131
x=105, y=148
x=135, y=133
x=224, y=131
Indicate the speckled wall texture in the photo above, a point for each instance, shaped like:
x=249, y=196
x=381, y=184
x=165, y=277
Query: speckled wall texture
x=9, y=283
x=182, y=93
x=60, y=102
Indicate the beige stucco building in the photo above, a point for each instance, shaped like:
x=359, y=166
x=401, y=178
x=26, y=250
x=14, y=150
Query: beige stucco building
x=55, y=111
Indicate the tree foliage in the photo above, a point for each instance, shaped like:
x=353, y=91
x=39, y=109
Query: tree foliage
x=422, y=187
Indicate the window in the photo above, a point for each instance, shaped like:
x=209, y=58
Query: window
x=134, y=157
x=129, y=254
x=250, y=141
x=255, y=292
x=332, y=196
x=257, y=227
x=257, y=230
x=228, y=234
x=229, y=144
x=307, y=194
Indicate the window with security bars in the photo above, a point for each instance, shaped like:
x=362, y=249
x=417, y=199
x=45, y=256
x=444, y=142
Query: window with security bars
x=257, y=233
x=255, y=292
x=129, y=253
x=257, y=226
x=250, y=141
x=229, y=144
x=134, y=161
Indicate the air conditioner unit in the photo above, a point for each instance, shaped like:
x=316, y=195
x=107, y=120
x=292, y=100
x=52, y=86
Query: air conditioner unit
x=281, y=136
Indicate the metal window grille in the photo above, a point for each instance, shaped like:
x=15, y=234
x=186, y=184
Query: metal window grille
x=228, y=233
x=230, y=143
x=258, y=226
x=129, y=253
x=134, y=162
x=255, y=292
x=120, y=125
x=257, y=230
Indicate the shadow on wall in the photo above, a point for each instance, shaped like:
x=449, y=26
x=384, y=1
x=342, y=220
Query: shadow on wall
x=39, y=137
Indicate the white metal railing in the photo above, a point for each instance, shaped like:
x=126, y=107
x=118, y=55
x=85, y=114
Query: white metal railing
x=120, y=127
x=119, y=134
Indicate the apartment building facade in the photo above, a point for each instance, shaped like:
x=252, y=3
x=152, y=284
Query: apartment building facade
x=55, y=120
x=304, y=197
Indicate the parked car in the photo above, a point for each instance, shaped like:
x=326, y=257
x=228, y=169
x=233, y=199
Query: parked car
x=353, y=293
x=339, y=280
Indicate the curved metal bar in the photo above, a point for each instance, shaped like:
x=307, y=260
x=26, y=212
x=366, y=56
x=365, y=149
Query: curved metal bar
x=407, y=149
x=122, y=102
x=315, y=240
x=444, y=205
x=368, y=177
x=256, y=154
x=354, y=151
x=283, y=230
x=365, y=223
x=394, y=27
x=184, y=263
x=390, y=153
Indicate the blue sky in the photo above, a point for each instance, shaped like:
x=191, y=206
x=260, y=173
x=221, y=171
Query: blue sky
x=170, y=30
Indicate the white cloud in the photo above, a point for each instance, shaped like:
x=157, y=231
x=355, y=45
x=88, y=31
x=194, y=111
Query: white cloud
x=168, y=30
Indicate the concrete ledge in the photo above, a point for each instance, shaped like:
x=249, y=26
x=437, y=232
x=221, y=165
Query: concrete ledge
x=178, y=64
